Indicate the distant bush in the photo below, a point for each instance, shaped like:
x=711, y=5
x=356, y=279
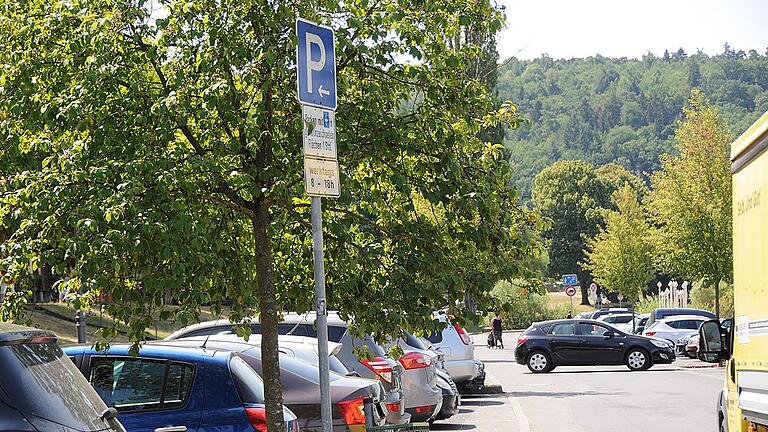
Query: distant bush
x=703, y=297
x=647, y=304
x=518, y=307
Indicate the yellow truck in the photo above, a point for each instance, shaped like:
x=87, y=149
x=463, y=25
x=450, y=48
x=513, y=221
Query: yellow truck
x=743, y=403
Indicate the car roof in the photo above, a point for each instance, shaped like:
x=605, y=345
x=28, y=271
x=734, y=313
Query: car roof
x=14, y=333
x=162, y=349
x=617, y=315
x=290, y=318
x=673, y=310
x=683, y=317
x=285, y=341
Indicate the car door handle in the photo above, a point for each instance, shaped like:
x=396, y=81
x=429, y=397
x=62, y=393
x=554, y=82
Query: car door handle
x=172, y=429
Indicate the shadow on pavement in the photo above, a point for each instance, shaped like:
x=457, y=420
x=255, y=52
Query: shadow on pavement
x=559, y=372
x=480, y=402
x=556, y=394
x=451, y=427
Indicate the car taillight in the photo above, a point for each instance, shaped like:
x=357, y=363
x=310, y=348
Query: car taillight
x=380, y=367
x=650, y=333
x=257, y=416
x=522, y=339
x=393, y=407
x=352, y=411
x=423, y=409
x=414, y=360
x=463, y=335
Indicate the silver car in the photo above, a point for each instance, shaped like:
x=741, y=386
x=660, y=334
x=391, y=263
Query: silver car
x=424, y=398
x=381, y=367
x=459, y=353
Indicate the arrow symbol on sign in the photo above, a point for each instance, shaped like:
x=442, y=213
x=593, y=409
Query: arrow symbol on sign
x=323, y=92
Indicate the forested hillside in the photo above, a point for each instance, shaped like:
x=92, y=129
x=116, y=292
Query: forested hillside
x=603, y=110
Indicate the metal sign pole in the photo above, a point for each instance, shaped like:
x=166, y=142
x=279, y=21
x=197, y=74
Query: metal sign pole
x=322, y=321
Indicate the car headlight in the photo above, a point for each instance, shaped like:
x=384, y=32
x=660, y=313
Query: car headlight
x=661, y=344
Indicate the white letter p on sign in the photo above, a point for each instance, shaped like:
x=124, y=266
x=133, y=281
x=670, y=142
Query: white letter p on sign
x=314, y=65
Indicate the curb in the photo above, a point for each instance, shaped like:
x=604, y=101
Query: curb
x=489, y=389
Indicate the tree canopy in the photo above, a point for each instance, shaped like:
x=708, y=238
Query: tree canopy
x=572, y=196
x=147, y=153
x=619, y=257
x=691, y=199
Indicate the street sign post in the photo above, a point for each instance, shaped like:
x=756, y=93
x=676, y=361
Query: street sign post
x=316, y=91
x=319, y=132
x=316, y=65
x=570, y=279
x=321, y=178
x=570, y=291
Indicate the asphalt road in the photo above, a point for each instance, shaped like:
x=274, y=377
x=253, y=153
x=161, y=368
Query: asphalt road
x=587, y=399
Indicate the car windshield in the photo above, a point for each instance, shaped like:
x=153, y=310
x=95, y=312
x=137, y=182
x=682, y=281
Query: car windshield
x=40, y=380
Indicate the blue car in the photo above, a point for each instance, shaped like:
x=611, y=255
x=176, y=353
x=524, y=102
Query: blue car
x=177, y=389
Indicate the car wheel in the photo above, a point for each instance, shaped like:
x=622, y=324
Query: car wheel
x=539, y=362
x=638, y=359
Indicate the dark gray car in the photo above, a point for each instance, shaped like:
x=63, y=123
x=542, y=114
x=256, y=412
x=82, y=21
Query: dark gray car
x=42, y=390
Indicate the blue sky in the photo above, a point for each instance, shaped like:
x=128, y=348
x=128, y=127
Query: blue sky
x=622, y=28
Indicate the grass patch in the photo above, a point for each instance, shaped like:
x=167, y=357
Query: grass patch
x=561, y=299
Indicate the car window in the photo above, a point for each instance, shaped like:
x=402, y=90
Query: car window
x=249, y=385
x=435, y=337
x=590, y=329
x=336, y=333
x=691, y=324
x=623, y=319
x=134, y=384
x=413, y=341
x=563, y=329
x=43, y=382
x=675, y=324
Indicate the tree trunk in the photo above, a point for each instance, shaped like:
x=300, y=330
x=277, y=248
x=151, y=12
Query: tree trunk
x=273, y=388
x=717, y=297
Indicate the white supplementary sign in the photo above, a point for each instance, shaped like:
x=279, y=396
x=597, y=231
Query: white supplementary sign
x=319, y=132
x=321, y=177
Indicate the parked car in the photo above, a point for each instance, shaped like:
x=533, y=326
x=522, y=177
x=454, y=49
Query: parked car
x=300, y=347
x=301, y=391
x=451, y=396
x=640, y=322
x=41, y=390
x=387, y=370
x=607, y=311
x=455, y=344
x=546, y=345
x=583, y=315
x=675, y=329
x=622, y=321
x=692, y=347
x=171, y=388
x=662, y=313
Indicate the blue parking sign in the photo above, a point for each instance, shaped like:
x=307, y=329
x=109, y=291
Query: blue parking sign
x=570, y=279
x=316, y=65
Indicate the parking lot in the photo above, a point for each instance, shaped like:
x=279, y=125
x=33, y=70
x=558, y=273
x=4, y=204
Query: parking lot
x=582, y=399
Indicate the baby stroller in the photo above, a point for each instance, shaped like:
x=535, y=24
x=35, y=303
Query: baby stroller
x=492, y=341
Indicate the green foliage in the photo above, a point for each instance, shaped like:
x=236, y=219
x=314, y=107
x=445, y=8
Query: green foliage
x=646, y=304
x=573, y=196
x=620, y=110
x=619, y=256
x=702, y=296
x=147, y=157
x=691, y=199
x=519, y=306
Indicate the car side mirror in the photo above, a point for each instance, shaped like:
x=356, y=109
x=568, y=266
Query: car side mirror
x=713, y=342
x=608, y=334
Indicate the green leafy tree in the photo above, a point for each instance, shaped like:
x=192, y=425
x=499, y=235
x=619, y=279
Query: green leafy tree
x=153, y=154
x=619, y=257
x=573, y=195
x=691, y=200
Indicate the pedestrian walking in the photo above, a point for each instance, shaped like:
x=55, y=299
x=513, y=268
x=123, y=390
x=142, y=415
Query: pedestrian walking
x=497, y=328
